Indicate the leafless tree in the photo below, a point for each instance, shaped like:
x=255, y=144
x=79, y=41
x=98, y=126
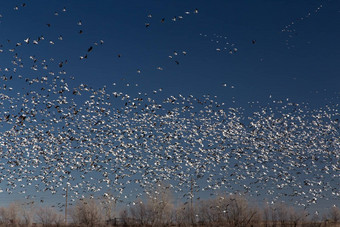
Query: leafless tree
x=296, y=217
x=124, y=215
x=160, y=206
x=315, y=220
x=274, y=216
x=157, y=210
x=281, y=210
x=27, y=213
x=140, y=213
x=237, y=212
x=87, y=212
x=334, y=214
x=3, y=216
x=10, y=215
x=48, y=216
x=232, y=210
x=108, y=204
x=183, y=215
x=207, y=212
x=266, y=214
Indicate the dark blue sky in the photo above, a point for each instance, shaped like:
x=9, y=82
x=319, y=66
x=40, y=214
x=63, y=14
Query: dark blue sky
x=300, y=63
x=255, y=70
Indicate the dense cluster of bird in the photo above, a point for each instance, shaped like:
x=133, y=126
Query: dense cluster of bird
x=93, y=140
x=99, y=139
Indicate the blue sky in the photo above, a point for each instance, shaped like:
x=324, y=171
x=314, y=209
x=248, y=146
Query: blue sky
x=267, y=67
x=303, y=69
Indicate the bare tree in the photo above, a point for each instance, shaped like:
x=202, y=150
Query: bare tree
x=315, y=220
x=207, y=212
x=231, y=210
x=140, y=213
x=48, y=216
x=334, y=214
x=266, y=214
x=108, y=203
x=10, y=215
x=160, y=206
x=3, y=216
x=274, y=216
x=282, y=213
x=27, y=213
x=124, y=215
x=183, y=215
x=296, y=217
x=87, y=212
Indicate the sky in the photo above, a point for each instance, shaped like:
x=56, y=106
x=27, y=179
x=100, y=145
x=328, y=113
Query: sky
x=260, y=69
x=246, y=53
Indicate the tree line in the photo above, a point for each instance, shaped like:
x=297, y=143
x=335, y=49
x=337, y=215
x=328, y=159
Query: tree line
x=160, y=209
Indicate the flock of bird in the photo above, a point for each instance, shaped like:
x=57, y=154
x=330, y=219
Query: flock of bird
x=290, y=28
x=54, y=135
x=222, y=43
x=13, y=47
x=91, y=140
x=173, y=19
